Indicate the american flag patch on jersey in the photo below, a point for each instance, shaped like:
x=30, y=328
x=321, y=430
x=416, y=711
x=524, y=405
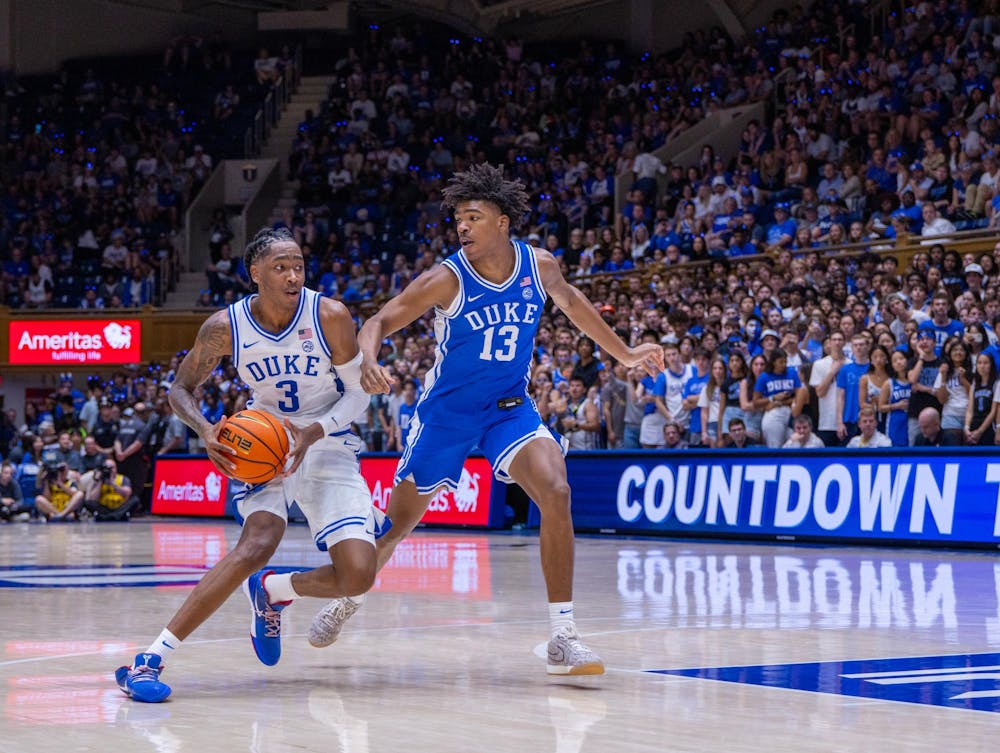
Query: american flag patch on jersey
x=306, y=334
x=525, y=281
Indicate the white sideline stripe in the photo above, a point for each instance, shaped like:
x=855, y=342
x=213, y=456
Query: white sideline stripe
x=977, y=694
x=957, y=677
x=923, y=672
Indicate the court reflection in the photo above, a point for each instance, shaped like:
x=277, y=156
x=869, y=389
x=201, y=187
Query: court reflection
x=439, y=565
x=956, y=595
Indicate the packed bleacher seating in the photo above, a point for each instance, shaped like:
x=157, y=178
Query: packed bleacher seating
x=868, y=139
x=839, y=159
x=100, y=161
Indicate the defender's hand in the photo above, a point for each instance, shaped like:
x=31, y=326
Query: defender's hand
x=375, y=379
x=648, y=355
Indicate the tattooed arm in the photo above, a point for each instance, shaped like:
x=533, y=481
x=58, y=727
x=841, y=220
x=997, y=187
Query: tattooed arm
x=213, y=342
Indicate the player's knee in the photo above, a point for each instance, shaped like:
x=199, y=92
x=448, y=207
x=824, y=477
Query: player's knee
x=557, y=496
x=254, y=552
x=358, y=579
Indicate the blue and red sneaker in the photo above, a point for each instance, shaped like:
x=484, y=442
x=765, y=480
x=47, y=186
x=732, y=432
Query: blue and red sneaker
x=265, y=619
x=141, y=681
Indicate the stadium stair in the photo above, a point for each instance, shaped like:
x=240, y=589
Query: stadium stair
x=313, y=91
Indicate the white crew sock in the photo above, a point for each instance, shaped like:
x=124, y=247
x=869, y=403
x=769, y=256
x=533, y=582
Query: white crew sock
x=279, y=588
x=561, y=615
x=164, y=645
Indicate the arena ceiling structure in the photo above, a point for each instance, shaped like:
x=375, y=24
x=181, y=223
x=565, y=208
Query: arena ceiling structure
x=649, y=24
x=40, y=34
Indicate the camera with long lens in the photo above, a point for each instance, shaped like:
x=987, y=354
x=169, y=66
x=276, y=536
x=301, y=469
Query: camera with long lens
x=102, y=473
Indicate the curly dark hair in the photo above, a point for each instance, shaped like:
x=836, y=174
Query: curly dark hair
x=265, y=238
x=485, y=182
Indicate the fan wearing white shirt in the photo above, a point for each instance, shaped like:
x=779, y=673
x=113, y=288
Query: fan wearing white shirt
x=870, y=436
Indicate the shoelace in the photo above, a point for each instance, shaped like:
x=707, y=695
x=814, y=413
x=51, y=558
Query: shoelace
x=340, y=611
x=144, y=673
x=272, y=623
x=575, y=647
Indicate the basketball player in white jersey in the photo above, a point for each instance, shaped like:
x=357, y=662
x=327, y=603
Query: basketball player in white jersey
x=487, y=298
x=299, y=353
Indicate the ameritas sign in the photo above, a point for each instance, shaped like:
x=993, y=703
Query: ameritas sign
x=61, y=342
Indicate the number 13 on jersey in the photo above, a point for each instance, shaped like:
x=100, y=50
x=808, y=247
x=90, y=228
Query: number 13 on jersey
x=506, y=338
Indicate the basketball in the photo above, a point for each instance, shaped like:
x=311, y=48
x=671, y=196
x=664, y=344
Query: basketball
x=261, y=444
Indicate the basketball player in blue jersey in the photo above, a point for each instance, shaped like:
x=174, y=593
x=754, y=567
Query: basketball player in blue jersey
x=298, y=352
x=487, y=299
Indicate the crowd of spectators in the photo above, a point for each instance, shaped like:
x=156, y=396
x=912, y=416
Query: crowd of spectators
x=797, y=352
x=100, y=161
x=771, y=340
x=91, y=452
x=411, y=106
x=868, y=139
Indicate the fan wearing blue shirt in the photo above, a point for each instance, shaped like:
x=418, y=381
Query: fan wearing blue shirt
x=848, y=398
x=692, y=391
x=908, y=208
x=782, y=232
x=775, y=392
x=940, y=323
x=664, y=236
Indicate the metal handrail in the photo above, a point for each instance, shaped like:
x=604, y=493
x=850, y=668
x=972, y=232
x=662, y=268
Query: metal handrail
x=904, y=247
x=268, y=115
x=847, y=31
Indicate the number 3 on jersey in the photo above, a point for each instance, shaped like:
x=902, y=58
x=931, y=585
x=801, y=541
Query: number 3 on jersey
x=507, y=337
x=291, y=402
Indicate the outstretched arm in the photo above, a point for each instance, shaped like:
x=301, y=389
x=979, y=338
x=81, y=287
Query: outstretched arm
x=438, y=287
x=213, y=342
x=582, y=313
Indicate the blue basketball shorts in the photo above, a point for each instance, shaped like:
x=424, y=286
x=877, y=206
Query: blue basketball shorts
x=435, y=453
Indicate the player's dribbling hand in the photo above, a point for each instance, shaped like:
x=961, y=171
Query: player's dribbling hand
x=303, y=438
x=217, y=452
x=375, y=379
x=649, y=356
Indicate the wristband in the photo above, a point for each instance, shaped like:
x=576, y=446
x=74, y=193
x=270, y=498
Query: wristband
x=329, y=425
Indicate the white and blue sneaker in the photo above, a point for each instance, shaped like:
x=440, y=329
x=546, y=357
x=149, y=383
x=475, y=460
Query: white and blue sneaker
x=141, y=681
x=380, y=523
x=265, y=619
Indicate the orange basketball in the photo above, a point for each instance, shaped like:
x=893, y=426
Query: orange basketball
x=261, y=444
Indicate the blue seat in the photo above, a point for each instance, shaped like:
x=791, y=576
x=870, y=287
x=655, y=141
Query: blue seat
x=28, y=488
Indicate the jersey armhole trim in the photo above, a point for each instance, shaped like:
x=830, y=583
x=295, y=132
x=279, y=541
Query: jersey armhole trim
x=320, y=335
x=456, y=304
x=535, y=271
x=235, y=334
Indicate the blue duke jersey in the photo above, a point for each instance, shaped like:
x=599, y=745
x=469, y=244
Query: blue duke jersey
x=291, y=372
x=485, y=341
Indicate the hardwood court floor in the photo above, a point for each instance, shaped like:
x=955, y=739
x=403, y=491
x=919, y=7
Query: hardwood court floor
x=445, y=656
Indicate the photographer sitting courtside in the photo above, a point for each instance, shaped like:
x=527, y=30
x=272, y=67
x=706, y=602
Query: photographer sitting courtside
x=107, y=493
x=59, y=498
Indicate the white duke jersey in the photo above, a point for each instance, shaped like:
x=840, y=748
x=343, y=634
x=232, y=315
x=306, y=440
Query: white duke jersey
x=485, y=342
x=290, y=373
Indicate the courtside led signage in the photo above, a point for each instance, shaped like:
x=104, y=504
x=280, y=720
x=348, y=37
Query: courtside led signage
x=188, y=486
x=62, y=342
x=468, y=505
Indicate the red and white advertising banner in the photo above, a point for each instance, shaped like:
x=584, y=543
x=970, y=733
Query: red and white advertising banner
x=188, y=486
x=61, y=342
x=469, y=505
